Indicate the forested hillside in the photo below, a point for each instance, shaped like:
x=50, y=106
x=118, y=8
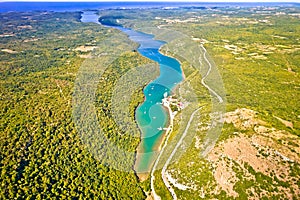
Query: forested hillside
x=41, y=155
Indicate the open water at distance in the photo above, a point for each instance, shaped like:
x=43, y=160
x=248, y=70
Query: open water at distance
x=79, y=6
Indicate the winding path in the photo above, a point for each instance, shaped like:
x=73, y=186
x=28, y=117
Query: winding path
x=208, y=72
x=169, y=130
x=163, y=172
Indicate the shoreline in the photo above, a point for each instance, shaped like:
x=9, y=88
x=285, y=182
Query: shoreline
x=164, y=144
x=165, y=52
x=169, y=123
x=159, y=144
x=158, y=147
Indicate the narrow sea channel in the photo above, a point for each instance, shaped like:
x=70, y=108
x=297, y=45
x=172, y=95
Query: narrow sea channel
x=151, y=116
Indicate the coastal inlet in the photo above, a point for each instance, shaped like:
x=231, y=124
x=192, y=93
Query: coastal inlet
x=151, y=116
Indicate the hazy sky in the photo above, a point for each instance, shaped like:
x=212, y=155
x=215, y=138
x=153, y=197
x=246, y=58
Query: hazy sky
x=163, y=1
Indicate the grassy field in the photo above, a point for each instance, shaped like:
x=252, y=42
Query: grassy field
x=257, y=54
x=258, y=58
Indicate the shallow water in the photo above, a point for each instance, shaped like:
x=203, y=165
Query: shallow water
x=151, y=115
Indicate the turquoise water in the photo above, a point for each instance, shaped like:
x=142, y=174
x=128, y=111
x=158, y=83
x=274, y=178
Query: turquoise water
x=151, y=116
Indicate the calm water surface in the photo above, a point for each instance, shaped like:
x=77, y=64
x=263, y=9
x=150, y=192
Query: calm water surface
x=151, y=116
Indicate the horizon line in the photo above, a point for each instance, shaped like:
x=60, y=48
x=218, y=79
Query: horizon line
x=157, y=1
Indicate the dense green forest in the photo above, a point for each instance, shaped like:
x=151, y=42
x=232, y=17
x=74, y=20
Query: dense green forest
x=42, y=156
x=43, y=152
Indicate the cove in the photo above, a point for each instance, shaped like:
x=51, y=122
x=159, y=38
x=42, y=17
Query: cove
x=151, y=116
